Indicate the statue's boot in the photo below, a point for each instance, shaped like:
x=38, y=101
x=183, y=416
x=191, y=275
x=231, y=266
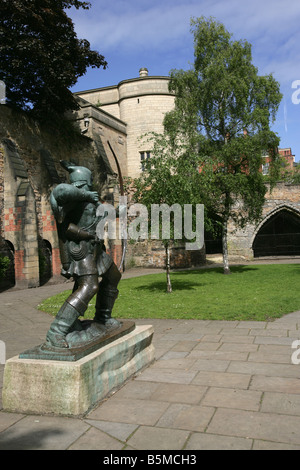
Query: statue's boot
x=104, y=304
x=65, y=320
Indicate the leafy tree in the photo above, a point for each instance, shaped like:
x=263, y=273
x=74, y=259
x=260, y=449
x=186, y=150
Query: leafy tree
x=161, y=184
x=223, y=112
x=290, y=176
x=4, y=265
x=40, y=54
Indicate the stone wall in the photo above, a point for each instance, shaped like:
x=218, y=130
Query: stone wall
x=143, y=115
x=282, y=196
x=102, y=127
x=29, y=169
x=151, y=254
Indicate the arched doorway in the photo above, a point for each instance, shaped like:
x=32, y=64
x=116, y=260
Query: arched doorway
x=279, y=235
x=45, y=261
x=7, y=254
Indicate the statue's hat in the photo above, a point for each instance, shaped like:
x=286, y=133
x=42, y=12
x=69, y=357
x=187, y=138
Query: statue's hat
x=78, y=174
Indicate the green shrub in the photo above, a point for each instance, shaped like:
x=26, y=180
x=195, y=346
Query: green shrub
x=4, y=265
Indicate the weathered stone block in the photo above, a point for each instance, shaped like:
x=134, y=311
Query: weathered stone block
x=72, y=388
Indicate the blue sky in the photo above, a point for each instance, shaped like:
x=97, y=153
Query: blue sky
x=156, y=34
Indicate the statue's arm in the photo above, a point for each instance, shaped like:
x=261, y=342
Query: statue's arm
x=67, y=193
x=76, y=233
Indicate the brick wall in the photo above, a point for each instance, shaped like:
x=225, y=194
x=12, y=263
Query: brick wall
x=26, y=215
x=56, y=264
x=20, y=265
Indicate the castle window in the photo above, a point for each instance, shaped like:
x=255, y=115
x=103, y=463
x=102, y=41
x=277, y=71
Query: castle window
x=265, y=169
x=144, y=156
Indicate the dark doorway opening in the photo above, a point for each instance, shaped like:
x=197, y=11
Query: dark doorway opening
x=213, y=235
x=7, y=254
x=45, y=261
x=279, y=236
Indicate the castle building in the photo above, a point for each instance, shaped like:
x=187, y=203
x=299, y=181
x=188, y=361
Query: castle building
x=140, y=103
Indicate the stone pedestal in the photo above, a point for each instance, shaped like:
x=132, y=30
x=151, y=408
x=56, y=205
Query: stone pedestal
x=36, y=386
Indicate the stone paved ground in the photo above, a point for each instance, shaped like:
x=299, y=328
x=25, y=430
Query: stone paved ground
x=214, y=385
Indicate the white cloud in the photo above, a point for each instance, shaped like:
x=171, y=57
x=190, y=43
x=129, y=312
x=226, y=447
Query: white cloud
x=133, y=28
x=271, y=26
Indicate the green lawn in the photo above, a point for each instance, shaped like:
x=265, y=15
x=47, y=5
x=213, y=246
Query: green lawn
x=254, y=292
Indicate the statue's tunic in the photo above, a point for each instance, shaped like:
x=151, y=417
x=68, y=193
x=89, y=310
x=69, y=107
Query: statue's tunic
x=79, y=257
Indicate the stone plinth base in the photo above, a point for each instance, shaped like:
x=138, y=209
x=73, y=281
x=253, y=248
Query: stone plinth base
x=37, y=386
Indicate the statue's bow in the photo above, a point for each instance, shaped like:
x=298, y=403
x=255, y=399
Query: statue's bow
x=124, y=238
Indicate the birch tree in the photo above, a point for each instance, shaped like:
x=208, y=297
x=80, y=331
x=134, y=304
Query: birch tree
x=161, y=184
x=223, y=112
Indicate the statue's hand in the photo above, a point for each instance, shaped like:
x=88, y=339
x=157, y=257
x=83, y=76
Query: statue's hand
x=65, y=273
x=94, y=196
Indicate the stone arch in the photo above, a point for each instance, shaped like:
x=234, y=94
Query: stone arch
x=278, y=234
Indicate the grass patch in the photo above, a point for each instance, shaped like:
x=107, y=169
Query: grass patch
x=254, y=292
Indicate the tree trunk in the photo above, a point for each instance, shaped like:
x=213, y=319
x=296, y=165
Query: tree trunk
x=169, y=285
x=225, y=246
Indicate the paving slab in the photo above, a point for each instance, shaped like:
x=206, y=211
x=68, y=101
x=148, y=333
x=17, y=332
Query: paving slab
x=284, y=403
x=258, y=368
x=184, y=416
x=278, y=384
x=167, y=375
x=9, y=419
x=120, y=431
x=238, y=347
x=149, y=438
x=283, y=358
x=205, y=441
x=233, y=398
x=95, y=439
x=220, y=355
x=222, y=379
x=254, y=425
x=131, y=411
x=267, y=445
x=182, y=393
